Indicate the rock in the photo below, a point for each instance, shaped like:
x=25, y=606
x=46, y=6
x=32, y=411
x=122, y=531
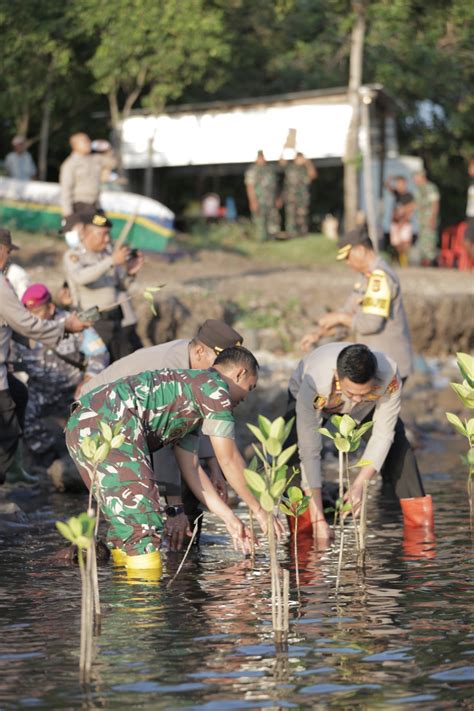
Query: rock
x=65, y=477
x=11, y=516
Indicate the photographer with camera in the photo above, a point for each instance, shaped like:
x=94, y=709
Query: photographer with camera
x=98, y=276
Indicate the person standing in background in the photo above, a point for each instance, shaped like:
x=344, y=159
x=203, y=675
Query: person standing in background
x=19, y=163
x=261, y=186
x=427, y=210
x=401, y=227
x=299, y=174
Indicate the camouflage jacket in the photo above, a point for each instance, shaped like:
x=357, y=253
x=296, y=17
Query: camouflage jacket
x=168, y=405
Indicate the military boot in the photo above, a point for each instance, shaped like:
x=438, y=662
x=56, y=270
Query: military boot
x=17, y=474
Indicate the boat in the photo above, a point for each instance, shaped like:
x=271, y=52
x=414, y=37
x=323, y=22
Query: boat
x=34, y=206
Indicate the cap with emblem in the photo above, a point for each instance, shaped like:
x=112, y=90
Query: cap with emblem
x=36, y=295
x=98, y=219
x=6, y=239
x=77, y=218
x=353, y=239
x=218, y=335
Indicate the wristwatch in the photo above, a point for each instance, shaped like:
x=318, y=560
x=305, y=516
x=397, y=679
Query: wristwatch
x=172, y=511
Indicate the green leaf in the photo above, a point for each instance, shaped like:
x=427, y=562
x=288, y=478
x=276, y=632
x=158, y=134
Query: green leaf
x=284, y=509
x=324, y=431
x=303, y=506
x=457, y=423
x=286, y=455
x=75, y=525
x=259, y=454
x=288, y=428
x=253, y=464
x=280, y=473
x=88, y=447
x=466, y=366
x=470, y=427
x=360, y=431
x=102, y=453
x=65, y=531
x=295, y=495
x=254, y=480
x=465, y=393
x=117, y=441
x=346, y=425
x=273, y=447
x=355, y=444
x=277, y=429
x=470, y=456
x=265, y=425
x=106, y=431
x=117, y=428
x=277, y=489
x=342, y=444
x=256, y=433
x=83, y=542
x=336, y=420
x=362, y=463
x=266, y=502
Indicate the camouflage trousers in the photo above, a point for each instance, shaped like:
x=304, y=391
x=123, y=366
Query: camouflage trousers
x=296, y=213
x=267, y=221
x=44, y=402
x=124, y=484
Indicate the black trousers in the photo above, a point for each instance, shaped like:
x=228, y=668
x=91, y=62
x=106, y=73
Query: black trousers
x=12, y=418
x=400, y=474
x=120, y=340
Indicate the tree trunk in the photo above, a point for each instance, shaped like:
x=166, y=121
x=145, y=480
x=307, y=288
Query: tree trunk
x=22, y=123
x=351, y=193
x=44, y=136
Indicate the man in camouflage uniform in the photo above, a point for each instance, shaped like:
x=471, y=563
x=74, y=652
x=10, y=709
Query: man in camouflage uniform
x=374, y=311
x=261, y=186
x=54, y=374
x=200, y=353
x=427, y=210
x=152, y=410
x=351, y=379
x=299, y=174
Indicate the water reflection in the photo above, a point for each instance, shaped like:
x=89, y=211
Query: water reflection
x=397, y=634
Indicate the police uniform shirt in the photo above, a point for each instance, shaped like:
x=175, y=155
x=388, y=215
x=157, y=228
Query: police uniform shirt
x=14, y=316
x=315, y=387
x=95, y=281
x=378, y=315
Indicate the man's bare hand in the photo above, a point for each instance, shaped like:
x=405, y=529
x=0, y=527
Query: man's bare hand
x=175, y=530
x=73, y=323
x=120, y=256
x=262, y=518
x=134, y=265
x=310, y=339
x=239, y=533
x=218, y=482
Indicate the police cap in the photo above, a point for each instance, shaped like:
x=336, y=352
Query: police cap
x=218, y=335
x=353, y=239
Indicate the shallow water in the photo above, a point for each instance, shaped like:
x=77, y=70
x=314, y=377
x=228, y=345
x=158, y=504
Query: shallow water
x=398, y=636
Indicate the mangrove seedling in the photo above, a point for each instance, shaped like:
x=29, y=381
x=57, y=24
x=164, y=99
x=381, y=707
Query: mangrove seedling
x=295, y=504
x=465, y=392
x=268, y=487
x=347, y=438
x=79, y=530
x=149, y=295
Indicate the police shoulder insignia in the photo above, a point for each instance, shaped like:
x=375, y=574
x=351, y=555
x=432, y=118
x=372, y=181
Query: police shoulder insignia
x=319, y=402
x=393, y=385
x=376, y=300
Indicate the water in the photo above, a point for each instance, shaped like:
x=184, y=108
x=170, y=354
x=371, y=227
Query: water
x=399, y=636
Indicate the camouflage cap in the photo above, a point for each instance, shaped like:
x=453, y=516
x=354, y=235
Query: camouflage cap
x=353, y=239
x=218, y=335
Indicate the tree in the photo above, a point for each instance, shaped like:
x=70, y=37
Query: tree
x=150, y=50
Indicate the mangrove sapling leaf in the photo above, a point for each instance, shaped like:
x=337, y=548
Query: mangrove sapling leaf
x=253, y=464
x=277, y=489
x=65, y=531
x=257, y=433
x=285, y=509
x=457, y=423
x=470, y=427
x=75, y=524
x=288, y=428
x=266, y=502
x=254, y=480
x=346, y=425
x=265, y=425
x=355, y=444
x=117, y=441
x=88, y=447
x=295, y=494
x=277, y=428
x=470, y=457
x=117, y=427
x=102, y=453
x=465, y=393
x=280, y=473
x=259, y=454
x=106, y=431
x=324, y=431
x=336, y=420
x=361, y=463
x=286, y=455
x=365, y=427
x=342, y=444
x=273, y=447
x=466, y=366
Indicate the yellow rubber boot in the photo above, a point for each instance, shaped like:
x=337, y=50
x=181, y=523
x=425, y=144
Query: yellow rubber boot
x=146, y=567
x=118, y=556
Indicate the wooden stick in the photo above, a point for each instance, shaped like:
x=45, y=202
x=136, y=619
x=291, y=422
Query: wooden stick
x=195, y=530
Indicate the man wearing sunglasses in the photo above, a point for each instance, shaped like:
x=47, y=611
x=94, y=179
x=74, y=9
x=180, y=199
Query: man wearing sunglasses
x=351, y=379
